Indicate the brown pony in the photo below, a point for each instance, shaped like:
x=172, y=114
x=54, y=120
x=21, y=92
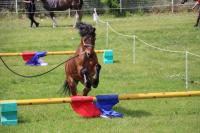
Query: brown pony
x=85, y=67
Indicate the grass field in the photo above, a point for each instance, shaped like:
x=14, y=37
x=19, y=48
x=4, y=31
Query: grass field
x=153, y=71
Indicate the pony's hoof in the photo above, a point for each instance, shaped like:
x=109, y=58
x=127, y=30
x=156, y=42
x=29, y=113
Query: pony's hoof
x=54, y=25
x=195, y=25
x=95, y=84
x=37, y=24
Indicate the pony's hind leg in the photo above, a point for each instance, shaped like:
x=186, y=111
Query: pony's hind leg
x=76, y=19
x=80, y=14
x=95, y=81
x=72, y=86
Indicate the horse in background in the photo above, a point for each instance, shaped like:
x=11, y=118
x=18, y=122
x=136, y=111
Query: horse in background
x=85, y=67
x=62, y=5
x=196, y=3
x=184, y=1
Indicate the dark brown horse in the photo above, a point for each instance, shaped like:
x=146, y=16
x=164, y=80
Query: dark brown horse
x=85, y=67
x=183, y=1
x=62, y=5
x=196, y=3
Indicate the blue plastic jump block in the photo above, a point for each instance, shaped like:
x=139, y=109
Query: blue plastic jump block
x=108, y=57
x=8, y=113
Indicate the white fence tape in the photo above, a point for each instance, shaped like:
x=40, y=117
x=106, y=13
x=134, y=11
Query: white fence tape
x=161, y=49
x=152, y=46
x=194, y=54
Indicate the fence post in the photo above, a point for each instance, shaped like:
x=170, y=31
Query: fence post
x=69, y=12
x=186, y=69
x=16, y=7
x=172, y=6
x=133, y=49
x=107, y=24
x=120, y=6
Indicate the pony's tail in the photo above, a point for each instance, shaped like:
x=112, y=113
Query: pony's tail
x=66, y=89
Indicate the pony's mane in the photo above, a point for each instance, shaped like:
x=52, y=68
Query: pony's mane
x=86, y=29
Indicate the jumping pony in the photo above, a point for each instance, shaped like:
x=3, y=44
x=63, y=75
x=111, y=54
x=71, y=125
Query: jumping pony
x=85, y=68
x=197, y=3
x=62, y=5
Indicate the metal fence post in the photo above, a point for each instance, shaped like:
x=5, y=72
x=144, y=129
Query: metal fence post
x=120, y=6
x=16, y=7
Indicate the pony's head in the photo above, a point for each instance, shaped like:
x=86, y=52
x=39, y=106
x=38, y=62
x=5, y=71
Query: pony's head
x=88, y=37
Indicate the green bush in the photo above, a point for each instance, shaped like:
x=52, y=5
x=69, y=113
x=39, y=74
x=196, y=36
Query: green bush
x=112, y=4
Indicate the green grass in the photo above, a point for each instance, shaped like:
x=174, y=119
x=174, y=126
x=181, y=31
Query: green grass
x=154, y=71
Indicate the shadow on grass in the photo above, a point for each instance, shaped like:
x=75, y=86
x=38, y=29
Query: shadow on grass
x=23, y=121
x=133, y=113
x=59, y=26
x=116, y=61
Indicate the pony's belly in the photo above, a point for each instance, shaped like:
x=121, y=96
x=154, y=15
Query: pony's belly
x=56, y=5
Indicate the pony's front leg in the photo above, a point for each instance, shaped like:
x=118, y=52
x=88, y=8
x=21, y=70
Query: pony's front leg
x=53, y=19
x=95, y=80
x=87, y=82
x=80, y=14
x=76, y=19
